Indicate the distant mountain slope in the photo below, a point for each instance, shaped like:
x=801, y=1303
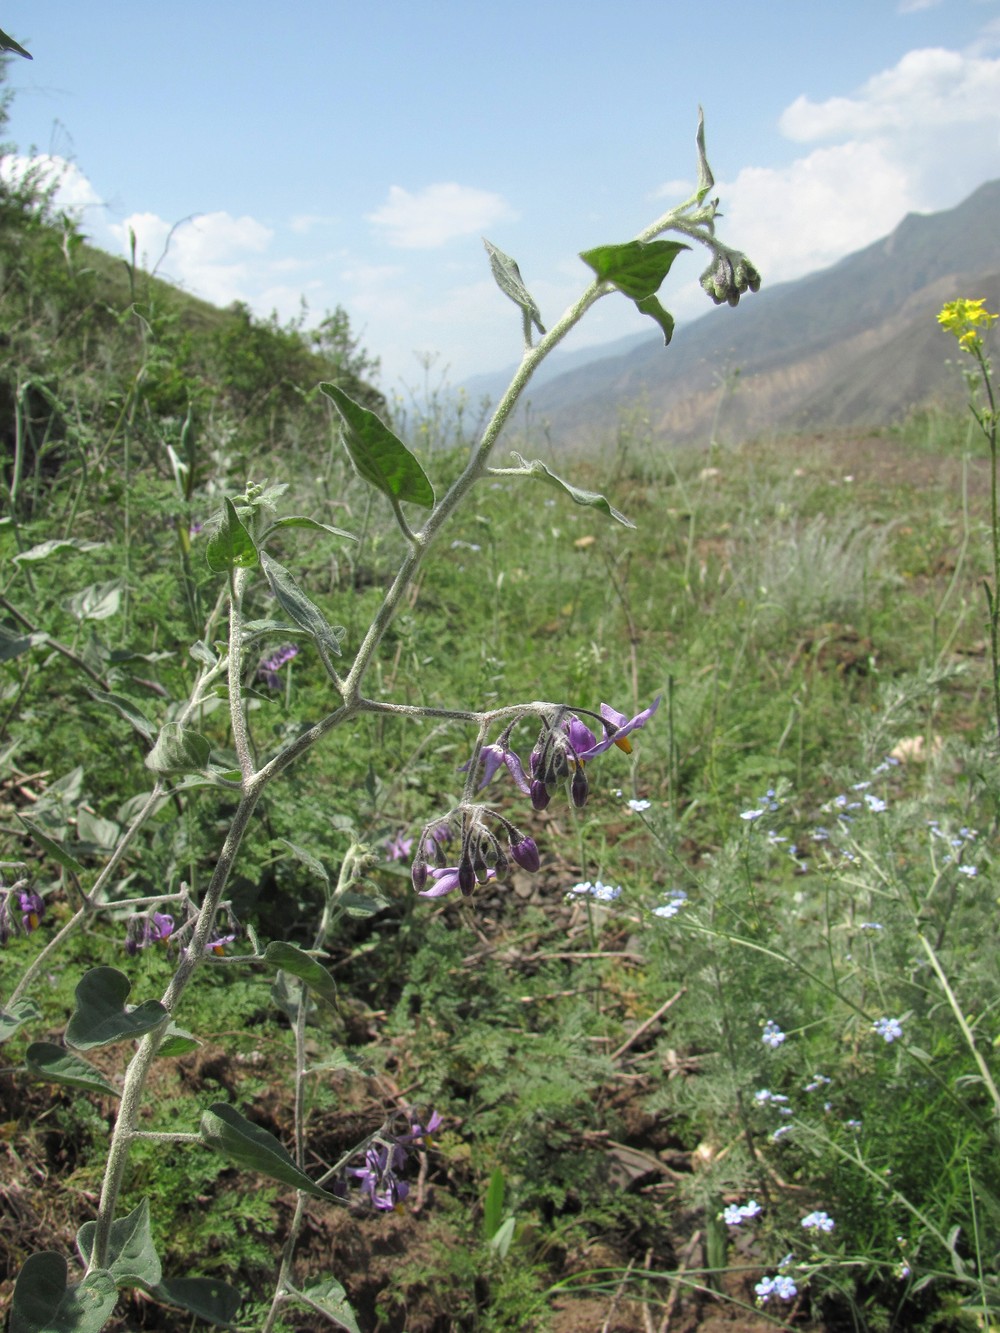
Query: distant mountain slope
x=856, y=344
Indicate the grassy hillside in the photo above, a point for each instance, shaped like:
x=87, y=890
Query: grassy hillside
x=727, y=1057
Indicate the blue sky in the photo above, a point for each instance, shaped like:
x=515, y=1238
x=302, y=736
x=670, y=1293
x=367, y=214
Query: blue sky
x=355, y=153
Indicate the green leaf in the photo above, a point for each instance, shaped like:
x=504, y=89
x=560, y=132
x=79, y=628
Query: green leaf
x=11, y=1019
x=44, y=549
x=288, y=958
x=43, y=1303
x=363, y=904
x=100, y=834
x=7, y=43
x=295, y=521
x=205, y=1297
x=379, y=456
x=705, y=178
x=132, y=1257
x=55, y=849
x=312, y=863
x=246, y=1144
x=100, y=1017
x=56, y=1065
x=128, y=710
x=297, y=605
x=13, y=645
x=536, y=468
x=179, y=749
x=230, y=546
x=650, y=305
x=331, y=1298
x=177, y=1041
x=98, y=602
x=502, y=1237
x=508, y=278
x=636, y=268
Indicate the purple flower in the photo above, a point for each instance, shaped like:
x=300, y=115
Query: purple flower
x=270, y=666
x=145, y=930
x=218, y=945
x=32, y=910
x=23, y=903
x=525, y=853
x=385, y=1158
x=398, y=847
x=449, y=878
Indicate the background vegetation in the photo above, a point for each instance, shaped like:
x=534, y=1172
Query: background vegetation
x=803, y=839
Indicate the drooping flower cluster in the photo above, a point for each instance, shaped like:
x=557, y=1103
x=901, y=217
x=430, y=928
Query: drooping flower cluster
x=483, y=854
x=378, y=1179
x=21, y=910
x=564, y=746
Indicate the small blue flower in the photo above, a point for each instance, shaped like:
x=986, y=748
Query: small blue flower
x=782, y=1287
x=871, y=925
x=780, y=1132
x=638, y=806
x=735, y=1214
x=772, y=1035
x=889, y=1028
x=604, y=893
x=818, y=1221
x=969, y=871
x=818, y=1081
x=676, y=899
x=875, y=803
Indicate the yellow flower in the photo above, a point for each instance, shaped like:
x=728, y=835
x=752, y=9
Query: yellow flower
x=964, y=318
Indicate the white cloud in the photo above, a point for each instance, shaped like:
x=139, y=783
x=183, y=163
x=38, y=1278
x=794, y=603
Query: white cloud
x=72, y=191
x=917, y=137
x=914, y=6
x=206, y=254
x=438, y=214
x=810, y=214
x=927, y=88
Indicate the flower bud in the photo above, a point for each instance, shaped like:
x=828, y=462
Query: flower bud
x=579, y=788
x=525, y=853
x=418, y=873
x=466, y=876
x=539, y=795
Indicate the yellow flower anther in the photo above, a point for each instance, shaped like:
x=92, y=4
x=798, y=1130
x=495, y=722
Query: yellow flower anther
x=624, y=743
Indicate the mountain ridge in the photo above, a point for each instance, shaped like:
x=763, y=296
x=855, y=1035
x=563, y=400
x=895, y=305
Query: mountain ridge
x=855, y=344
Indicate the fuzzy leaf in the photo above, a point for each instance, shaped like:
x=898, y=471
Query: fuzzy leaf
x=100, y=1017
x=43, y=1303
x=55, y=1065
x=705, y=178
x=246, y=1144
x=11, y=1019
x=205, y=1297
x=179, y=749
x=128, y=710
x=55, y=849
x=379, y=456
x=230, y=546
x=177, y=1041
x=536, y=468
x=132, y=1257
x=509, y=280
x=291, y=959
x=331, y=1298
x=297, y=605
x=636, y=268
x=650, y=305
x=7, y=43
x=44, y=549
x=296, y=521
x=13, y=645
x=98, y=602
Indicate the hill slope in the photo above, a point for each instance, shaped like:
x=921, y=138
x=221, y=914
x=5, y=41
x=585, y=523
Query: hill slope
x=856, y=344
